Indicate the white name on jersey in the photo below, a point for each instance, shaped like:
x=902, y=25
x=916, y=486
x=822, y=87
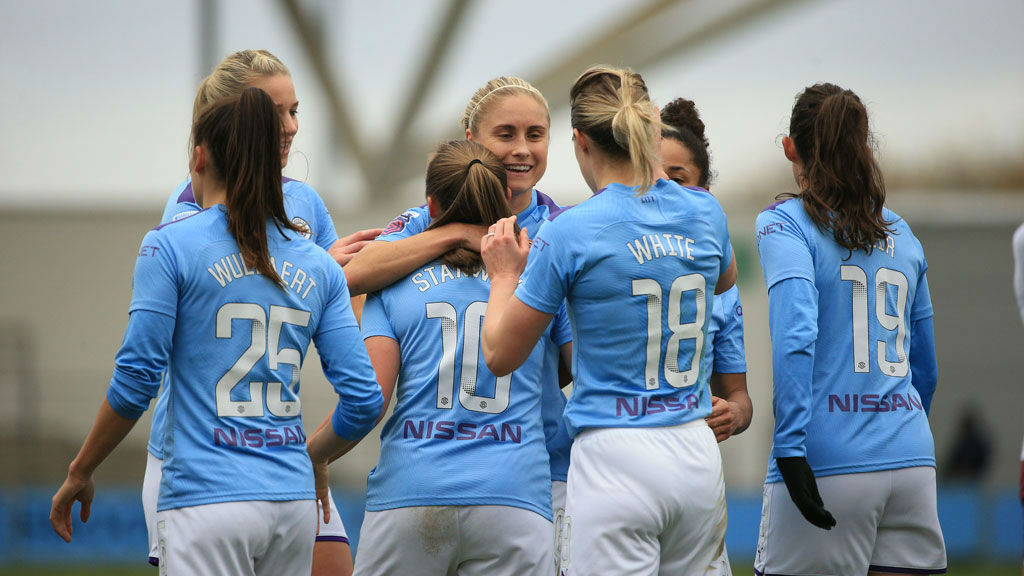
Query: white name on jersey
x=427, y=278
x=230, y=267
x=650, y=246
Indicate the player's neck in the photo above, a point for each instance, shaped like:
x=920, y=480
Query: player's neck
x=213, y=194
x=607, y=171
x=521, y=201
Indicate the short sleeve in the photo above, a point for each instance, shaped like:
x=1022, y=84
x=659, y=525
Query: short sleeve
x=406, y=225
x=729, y=352
x=375, y=321
x=550, y=268
x=338, y=310
x=155, y=281
x=783, y=248
x=326, y=235
x=561, y=329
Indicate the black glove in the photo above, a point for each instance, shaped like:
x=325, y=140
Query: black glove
x=803, y=489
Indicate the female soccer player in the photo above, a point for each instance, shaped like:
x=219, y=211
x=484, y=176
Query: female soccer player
x=231, y=295
x=304, y=207
x=686, y=159
x=510, y=117
x=637, y=264
x=462, y=484
x=853, y=361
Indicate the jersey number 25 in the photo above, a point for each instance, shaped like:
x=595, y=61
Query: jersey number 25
x=260, y=341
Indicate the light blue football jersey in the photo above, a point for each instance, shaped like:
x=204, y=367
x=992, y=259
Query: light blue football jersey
x=858, y=411
x=724, y=349
x=233, y=424
x=458, y=435
x=302, y=205
x=638, y=273
x=416, y=220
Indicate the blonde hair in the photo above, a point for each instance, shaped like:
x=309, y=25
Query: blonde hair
x=232, y=76
x=484, y=98
x=612, y=108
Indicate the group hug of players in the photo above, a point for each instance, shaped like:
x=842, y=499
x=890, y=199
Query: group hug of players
x=481, y=305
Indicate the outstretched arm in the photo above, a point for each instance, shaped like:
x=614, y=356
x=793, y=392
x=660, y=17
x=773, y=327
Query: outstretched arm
x=380, y=264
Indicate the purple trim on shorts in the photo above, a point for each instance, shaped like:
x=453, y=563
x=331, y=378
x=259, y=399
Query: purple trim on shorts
x=332, y=539
x=187, y=195
x=896, y=570
x=873, y=568
x=154, y=561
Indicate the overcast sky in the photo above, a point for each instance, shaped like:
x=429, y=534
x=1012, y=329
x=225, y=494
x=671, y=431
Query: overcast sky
x=96, y=99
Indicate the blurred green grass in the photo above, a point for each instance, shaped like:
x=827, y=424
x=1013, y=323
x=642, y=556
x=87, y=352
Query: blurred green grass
x=958, y=568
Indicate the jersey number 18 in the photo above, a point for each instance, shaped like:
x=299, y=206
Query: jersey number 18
x=650, y=288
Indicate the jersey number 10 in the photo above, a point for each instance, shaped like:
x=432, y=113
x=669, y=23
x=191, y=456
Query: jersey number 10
x=470, y=360
x=884, y=278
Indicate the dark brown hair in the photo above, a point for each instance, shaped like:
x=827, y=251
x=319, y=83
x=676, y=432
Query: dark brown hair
x=843, y=192
x=611, y=106
x=469, y=184
x=242, y=137
x=681, y=122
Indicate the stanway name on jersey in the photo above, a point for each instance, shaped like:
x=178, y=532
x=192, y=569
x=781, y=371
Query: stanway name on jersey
x=231, y=267
x=258, y=437
x=634, y=406
x=873, y=403
x=449, y=430
x=436, y=275
x=650, y=246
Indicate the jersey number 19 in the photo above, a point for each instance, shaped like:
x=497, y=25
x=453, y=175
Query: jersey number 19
x=897, y=323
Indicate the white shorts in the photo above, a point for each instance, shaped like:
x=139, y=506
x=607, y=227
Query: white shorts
x=150, y=492
x=461, y=540
x=250, y=538
x=333, y=531
x=558, y=489
x=645, y=501
x=886, y=521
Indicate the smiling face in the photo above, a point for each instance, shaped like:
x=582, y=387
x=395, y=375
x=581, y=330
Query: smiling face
x=515, y=129
x=677, y=161
x=282, y=92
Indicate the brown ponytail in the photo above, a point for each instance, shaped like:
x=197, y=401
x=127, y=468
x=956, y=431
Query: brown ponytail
x=243, y=139
x=469, y=184
x=844, y=191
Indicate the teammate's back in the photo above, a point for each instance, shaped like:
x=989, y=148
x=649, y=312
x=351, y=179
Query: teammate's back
x=866, y=414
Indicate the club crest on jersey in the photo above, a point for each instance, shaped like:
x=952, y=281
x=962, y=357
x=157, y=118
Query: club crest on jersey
x=306, y=231
x=399, y=223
